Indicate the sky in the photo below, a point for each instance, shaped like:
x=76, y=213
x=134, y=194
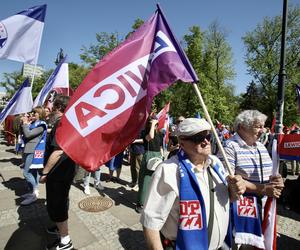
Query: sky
x=71, y=24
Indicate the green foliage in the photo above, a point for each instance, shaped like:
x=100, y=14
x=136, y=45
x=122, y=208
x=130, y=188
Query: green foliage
x=250, y=98
x=137, y=23
x=211, y=57
x=12, y=81
x=263, y=46
x=106, y=42
x=76, y=74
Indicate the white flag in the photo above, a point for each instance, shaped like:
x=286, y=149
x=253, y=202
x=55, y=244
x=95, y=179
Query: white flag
x=58, y=79
x=21, y=34
x=20, y=103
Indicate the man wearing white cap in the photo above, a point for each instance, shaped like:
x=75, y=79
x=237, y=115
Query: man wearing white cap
x=188, y=202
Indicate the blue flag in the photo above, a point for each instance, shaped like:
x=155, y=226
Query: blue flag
x=20, y=103
x=50, y=84
x=21, y=34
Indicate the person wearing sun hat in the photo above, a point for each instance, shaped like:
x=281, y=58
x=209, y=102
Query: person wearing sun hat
x=187, y=206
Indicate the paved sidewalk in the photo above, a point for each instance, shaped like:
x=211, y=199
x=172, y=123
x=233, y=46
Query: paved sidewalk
x=23, y=227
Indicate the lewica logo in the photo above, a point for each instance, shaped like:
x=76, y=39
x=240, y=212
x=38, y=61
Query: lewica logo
x=117, y=93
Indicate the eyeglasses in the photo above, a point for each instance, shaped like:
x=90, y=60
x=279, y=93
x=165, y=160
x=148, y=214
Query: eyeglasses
x=198, y=138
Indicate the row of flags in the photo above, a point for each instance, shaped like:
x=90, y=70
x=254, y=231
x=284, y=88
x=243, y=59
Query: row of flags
x=111, y=105
x=22, y=101
x=20, y=39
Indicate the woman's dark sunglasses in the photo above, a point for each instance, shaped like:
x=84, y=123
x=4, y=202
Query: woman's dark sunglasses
x=199, y=138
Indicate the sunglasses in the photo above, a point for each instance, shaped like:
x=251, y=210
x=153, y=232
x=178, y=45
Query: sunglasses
x=199, y=138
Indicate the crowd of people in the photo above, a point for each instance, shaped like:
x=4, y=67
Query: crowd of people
x=186, y=197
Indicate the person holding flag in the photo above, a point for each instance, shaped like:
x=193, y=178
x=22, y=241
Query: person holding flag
x=153, y=145
x=34, y=132
x=188, y=199
x=250, y=159
x=58, y=175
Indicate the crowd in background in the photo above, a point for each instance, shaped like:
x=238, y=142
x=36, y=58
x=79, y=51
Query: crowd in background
x=31, y=133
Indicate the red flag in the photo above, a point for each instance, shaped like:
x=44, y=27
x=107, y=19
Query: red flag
x=273, y=125
x=269, y=220
x=269, y=224
x=162, y=116
x=163, y=122
x=112, y=103
x=219, y=124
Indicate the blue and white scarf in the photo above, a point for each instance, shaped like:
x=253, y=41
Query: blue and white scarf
x=247, y=222
x=39, y=151
x=192, y=230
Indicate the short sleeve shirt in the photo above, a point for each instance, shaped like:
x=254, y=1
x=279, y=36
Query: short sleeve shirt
x=161, y=209
x=246, y=160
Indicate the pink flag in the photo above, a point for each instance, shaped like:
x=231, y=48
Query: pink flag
x=112, y=103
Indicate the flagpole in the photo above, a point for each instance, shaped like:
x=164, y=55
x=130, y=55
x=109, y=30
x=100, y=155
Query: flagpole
x=227, y=164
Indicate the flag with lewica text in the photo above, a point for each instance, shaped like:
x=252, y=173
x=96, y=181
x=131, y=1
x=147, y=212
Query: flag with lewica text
x=21, y=102
x=111, y=105
x=21, y=35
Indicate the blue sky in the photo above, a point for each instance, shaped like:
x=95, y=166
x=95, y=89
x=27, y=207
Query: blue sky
x=70, y=24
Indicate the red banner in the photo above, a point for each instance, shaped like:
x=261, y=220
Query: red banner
x=289, y=146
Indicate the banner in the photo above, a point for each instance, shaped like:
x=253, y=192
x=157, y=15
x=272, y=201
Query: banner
x=112, y=103
x=289, y=147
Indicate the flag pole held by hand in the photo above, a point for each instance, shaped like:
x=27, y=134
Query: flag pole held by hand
x=227, y=164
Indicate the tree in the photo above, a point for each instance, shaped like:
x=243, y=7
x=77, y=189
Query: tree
x=106, y=42
x=12, y=81
x=137, y=23
x=182, y=95
x=76, y=74
x=263, y=58
x=211, y=57
x=251, y=98
x=217, y=74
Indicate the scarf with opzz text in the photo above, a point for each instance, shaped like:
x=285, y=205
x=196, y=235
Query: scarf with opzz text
x=192, y=229
x=39, y=151
x=247, y=222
